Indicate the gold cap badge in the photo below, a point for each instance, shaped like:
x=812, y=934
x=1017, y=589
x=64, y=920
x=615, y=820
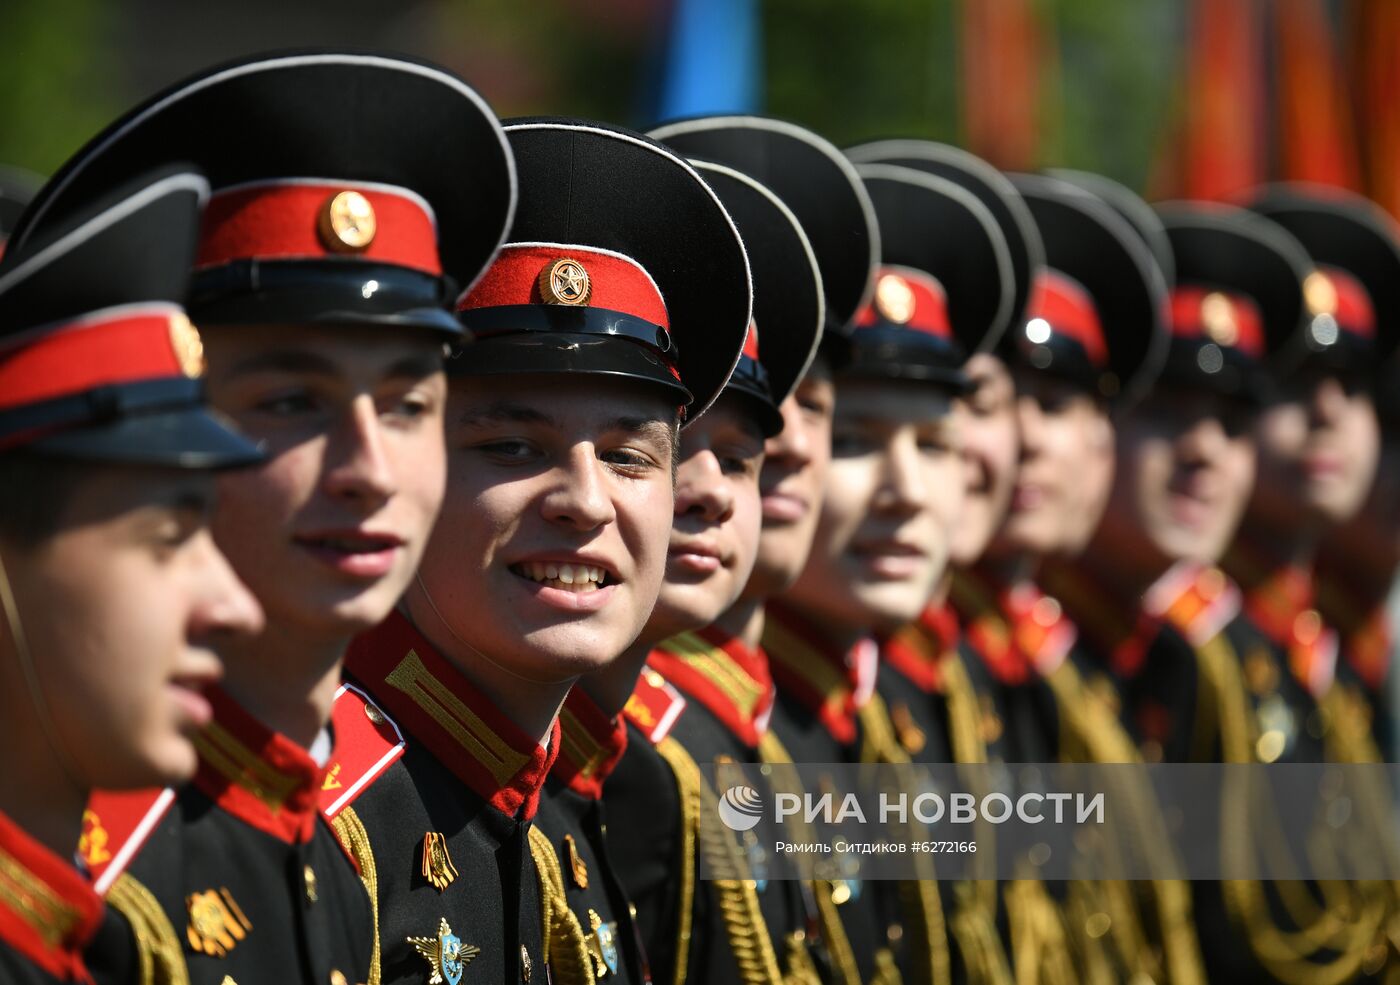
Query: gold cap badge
x=1320, y=293
x=188, y=346
x=347, y=223
x=894, y=298
x=565, y=281
x=1218, y=318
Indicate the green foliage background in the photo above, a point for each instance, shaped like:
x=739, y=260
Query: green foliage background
x=852, y=69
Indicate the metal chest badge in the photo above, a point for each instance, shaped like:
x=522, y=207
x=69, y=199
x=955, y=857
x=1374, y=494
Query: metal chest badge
x=216, y=924
x=602, y=945
x=437, y=864
x=446, y=955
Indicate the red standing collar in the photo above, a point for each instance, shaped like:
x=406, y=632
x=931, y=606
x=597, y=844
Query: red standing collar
x=48, y=910
x=590, y=744
x=730, y=679
x=435, y=704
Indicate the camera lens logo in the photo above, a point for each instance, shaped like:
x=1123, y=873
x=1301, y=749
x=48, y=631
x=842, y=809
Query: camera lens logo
x=741, y=808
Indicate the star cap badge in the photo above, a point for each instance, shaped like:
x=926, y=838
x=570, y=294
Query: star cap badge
x=894, y=298
x=347, y=223
x=565, y=281
x=446, y=955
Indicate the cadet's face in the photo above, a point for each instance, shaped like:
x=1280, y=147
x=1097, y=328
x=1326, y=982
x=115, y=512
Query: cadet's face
x=714, y=536
x=893, y=493
x=794, y=471
x=1065, y=470
x=553, y=484
x=120, y=609
x=1318, y=448
x=990, y=446
x=328, y=532
x=1185, y=471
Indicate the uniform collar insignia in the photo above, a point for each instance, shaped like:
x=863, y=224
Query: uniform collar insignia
x=730, y=679
x=434, y=703
x=1121, y=630
x=48, y=911
x=832, y=685
x=1019, y=631
x=1280, y=600
x=590, y=744
x=918, y=650
x=1198, y=600
x=1364, y=626
x=259, y=776
x=653, y=706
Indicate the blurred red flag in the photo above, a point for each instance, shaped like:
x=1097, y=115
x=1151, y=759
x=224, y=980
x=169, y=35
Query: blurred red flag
x=1315, y=137
x=1374, y=50
x=1000, y=81
x=1223, y=146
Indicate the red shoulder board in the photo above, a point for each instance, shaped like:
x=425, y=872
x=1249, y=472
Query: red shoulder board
x=366, y=744
x=115, y=826
x=654, y=706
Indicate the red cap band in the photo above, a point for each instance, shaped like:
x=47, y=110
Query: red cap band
x=1228, y=319
x=316, y=219
x=1066, y=307
x=751, y=342
x=541, y=273
x=910, y=299
x=121, y=345
x=1352, y=309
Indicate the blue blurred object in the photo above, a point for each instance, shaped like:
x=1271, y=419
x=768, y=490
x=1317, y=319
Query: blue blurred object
x=712, y=59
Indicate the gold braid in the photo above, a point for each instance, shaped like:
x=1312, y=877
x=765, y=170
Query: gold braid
x=1097, y=729
x=352, y=834
x=566, y=945
x=688, y=785
x=160, y=957
x=748, y=934
x=838, y=945
x=919, y=899
x=1285, y=955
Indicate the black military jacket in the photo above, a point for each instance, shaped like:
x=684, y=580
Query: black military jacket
x=236, y=875
x=571, y=816
x=435, y=796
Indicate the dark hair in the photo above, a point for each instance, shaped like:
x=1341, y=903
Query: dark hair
x=34, y=492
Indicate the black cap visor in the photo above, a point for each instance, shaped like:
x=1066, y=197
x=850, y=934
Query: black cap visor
x=535, y=353
x=267, y=292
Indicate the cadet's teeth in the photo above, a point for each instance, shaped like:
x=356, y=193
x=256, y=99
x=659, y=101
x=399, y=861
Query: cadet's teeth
x=572, y=577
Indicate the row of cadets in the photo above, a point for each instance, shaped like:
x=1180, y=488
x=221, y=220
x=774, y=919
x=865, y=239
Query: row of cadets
x=112, y=588
x=327, y=262
x=615, y=313
x=706, y=693
x=1317, y=446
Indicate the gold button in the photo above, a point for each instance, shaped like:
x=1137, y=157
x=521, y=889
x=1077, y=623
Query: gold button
x=1097, y=925
x=374, y=714
x=337, y=978
x=526, y=965
x=309, y=875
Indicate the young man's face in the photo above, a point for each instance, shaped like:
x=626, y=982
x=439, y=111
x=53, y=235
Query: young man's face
x=714, y=536
x=1318, y=448
x=328, y=532
x=1185, y=471
x=893, y=493
x=1065, y=469
x=794, y=474
x=991, y=447
x=120, y=608
x=552, y=544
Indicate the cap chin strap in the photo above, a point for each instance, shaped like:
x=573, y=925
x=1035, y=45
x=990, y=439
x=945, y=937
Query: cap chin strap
x=418, y=577
x=25, y=656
